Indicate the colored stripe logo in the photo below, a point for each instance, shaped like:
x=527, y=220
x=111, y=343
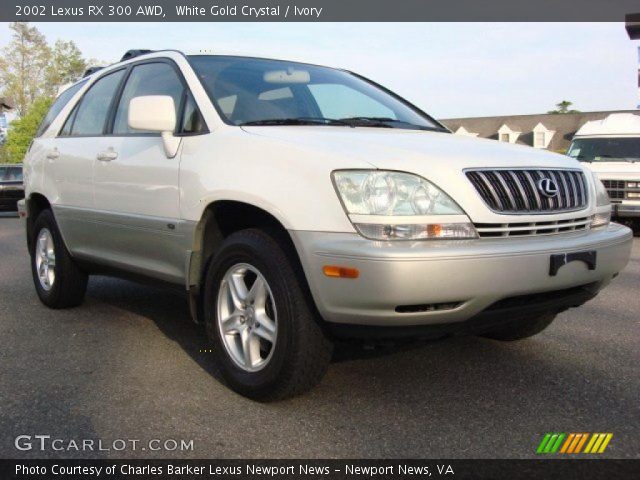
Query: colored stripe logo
x=570, y=443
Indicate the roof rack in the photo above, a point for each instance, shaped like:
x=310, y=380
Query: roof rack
x=91, y=71
x=134, y=53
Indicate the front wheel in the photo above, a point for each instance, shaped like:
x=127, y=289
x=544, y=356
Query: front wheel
x=59, y=282
x=260, y=319
x=521, y=328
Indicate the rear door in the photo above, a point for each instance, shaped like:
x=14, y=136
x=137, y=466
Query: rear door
x=136, y=187
x=70, y=162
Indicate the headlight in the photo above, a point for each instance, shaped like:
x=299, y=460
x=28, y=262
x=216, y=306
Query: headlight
x=367, y=192
x=385, y=205
x=602, y=197
x=603, y=205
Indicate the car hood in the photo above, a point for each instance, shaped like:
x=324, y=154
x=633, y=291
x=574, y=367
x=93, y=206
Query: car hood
x=439, y=157
x=413, y=150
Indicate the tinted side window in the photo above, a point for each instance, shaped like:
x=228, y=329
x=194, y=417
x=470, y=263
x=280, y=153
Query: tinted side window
x=57, y=107
x=66, y=129
x=147, y=79
x=94, y=106
x=15, y=174
x=11, y=174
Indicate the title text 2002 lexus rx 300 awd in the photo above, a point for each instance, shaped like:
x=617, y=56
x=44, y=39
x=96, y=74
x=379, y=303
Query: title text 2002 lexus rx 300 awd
x=296, y=203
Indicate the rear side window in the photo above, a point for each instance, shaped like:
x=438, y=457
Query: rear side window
x=66, y=129
x=147, y=79
x=57, y=107
x=91, y=115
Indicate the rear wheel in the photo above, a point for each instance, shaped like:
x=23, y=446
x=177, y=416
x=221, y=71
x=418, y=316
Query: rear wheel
x=259, y=317
x=59, y=282
x=521, y=328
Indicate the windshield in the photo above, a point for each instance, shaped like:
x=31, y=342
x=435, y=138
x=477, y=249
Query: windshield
x=252, y=91
x=605, y=149
x=10, y=174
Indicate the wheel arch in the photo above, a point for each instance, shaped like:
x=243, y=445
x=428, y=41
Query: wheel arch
x=220, y=219
x=36, y=203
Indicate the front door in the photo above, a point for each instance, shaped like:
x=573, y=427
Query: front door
x=136, y=186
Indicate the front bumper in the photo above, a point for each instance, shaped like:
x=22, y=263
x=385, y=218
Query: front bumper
x=438, y=282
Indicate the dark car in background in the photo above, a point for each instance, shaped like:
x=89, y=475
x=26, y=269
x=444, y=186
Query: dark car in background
x=11, y=187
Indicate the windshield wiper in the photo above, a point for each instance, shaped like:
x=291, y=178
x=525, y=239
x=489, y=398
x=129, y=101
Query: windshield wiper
x=386, y=122
x=295, y=121
x=379, y=122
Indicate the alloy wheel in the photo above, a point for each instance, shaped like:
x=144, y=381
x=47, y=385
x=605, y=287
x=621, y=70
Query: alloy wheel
x=45, y=258
x=247, y=317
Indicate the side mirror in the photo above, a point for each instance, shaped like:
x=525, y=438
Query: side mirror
x=156, y=113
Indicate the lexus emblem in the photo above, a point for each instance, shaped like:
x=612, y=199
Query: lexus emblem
x=547, y=187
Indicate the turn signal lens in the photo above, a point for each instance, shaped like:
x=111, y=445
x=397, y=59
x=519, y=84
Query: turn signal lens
x=340, y=272
x=375, y=231
x=601, y=219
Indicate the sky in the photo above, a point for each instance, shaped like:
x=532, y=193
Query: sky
x=447, y=69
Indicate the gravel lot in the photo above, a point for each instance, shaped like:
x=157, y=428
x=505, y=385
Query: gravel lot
x=129, y=364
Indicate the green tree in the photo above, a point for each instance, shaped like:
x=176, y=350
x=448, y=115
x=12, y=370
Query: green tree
x=23, y=66
x=31, y=74
x=66, y=66
x=563, y=107
x=24, y=129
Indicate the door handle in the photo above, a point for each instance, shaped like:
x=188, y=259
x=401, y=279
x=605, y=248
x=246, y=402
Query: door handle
x=107, y=156
x=53, y=154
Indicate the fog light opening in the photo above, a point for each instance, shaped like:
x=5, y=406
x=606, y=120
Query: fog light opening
x=428, y=307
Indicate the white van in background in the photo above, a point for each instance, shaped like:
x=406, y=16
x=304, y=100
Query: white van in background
x=611, y=147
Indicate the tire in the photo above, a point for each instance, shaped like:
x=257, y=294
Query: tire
x=521, y=328
x=67, y=286
x=300, y=354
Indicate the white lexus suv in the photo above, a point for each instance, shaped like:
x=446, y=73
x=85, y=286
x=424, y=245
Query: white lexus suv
x=296, y=204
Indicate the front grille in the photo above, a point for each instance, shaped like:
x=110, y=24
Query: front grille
x=619, y=189
x=489, y=230
x=516, y=191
